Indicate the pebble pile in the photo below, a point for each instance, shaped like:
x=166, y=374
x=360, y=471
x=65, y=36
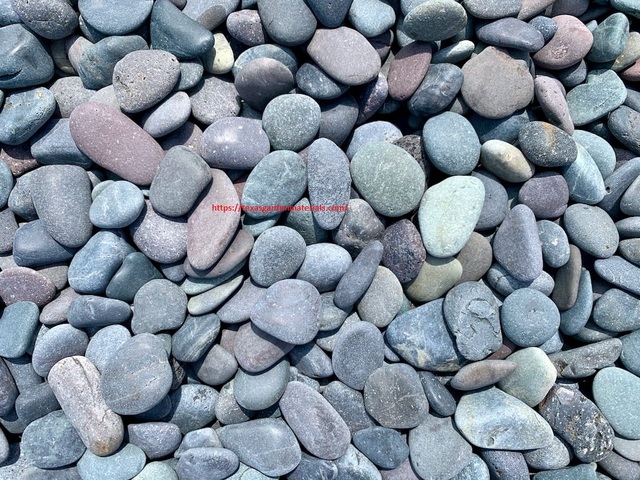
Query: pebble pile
x=470, y=311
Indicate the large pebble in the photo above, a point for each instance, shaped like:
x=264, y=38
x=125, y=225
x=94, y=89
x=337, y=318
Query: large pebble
x=394, y=397
x=117, y=206
x=383, y=446
x=437, y=20
x=529, y=318
x=234, y=143
x=158, y=305
x=448, y=214
x=127, y=462
x=358, y=351
x=115, y=142
x=277, y=254
x=345, y=55
x=289, y=23
x=289, y=311
x=117, y=18
x=615, y=393
x=18, y=326
x=291, y=121
x=518, y=427
x=390, y=195
x=570, y=44
x=163, y=239
x=532, y=378
x=75, y=381
x=23, y=113
x=451, y=144
x=259, y=391
x=61, y=341
x=268, y=445
x=25, y=62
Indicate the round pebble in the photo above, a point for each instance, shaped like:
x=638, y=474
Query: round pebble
x=529, y=318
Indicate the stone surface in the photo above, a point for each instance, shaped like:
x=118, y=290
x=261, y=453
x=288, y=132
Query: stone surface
x=613, y=393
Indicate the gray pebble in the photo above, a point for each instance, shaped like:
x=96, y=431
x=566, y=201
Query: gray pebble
x=156, y=439
x=358, y=351
x=158, y=305
x=276, y=255
x=127, y=462
x=258, y=391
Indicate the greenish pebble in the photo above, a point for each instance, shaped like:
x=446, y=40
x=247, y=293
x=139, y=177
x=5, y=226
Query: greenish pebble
x=579, y=472
x=448, y=214
x=592, y=230
x=157, y=471
x=533, y=377
x=388, y=178
x=451, y=143
x=584, y=179
x=291, y=121
x=602, y=93
x=609, y=38
x=126, y=463
x=436, y=277
x=600, y=150
x=617, y=394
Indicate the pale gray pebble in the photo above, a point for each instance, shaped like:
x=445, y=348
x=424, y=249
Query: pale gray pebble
x=324, y=265
x=556, y=455
x=168, y=116
x=127, y=462
x=59, y=342
x=554, y=243
x=158, y=305
x=505, y=284
x=104, y=343
x=193, y=407
x=358, y=351
x=529, y=318
x=349, y=403
x=355, y=464
x=217, y=367
x=211, y=462
x=203, y=437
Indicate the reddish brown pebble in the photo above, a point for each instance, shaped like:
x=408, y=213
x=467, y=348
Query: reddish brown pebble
x=115, y=142
x=19, y=284
x=569, y=45
x=408, y=69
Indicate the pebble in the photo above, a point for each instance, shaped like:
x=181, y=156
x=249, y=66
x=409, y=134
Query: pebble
x=162, y=239
x=95, y=127
x=513, y=33
x=383, y=299
x=158, y=305
x=127, y=462
x=392, y=196
x=59, y=342
x=358, y=277
x=234, y=143
x=324, y=265
x=291, y=121
x=408, y=68
x=446, y=462
x=196, y=335
x=310, y=360
x=256, y=350
x=267, y=444
x=403, y=250
x=94, y=311
x=506, y=161
x=360, y=226
x=211, y=461
x=394, y=397
x=261, y=191
x=23, y=113
x=169, y=115
x=475, y=258
x=328, y=439
x=26, y=62
x=610, y=91
x=53, y=144
x=345, y=55
x=435, y=352
x=546, y=145
x=472, y=315
x=518, y=427
x=51, y=442
x=156, y=439
x=584, y=361
x=288, y=311
x=482, y=374
x=362, y=341
x=578, y=420
x=277, y=254
x=503, y=463
x=546, y=194
x=117, y=206
x=533, y=377
x=551, y=94
x=252, y=87
x=136, y=270
x=258, y=391
x=245, y=26
x=76, y=384
x=451, y=144
x=554, y=457
x=455, y=202
x=192, y=407
x=435, y=21
x=175, y=32
x=570, y=44
x=288, y=23
x=529, y=318
x=614, y=394
x=493, y=9
x=214, y=98
x=600, y=151
x=354, y=464
x=619, y=273
x=554, y=243
x=117, y=19
x=349, y=403
x=18, y=326
x=24, y=284
x=492, y=94
x=438, y=89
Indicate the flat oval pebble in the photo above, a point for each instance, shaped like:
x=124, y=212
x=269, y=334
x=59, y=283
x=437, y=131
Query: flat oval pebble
x=358, y=277
x=546, y=145
x=529, y=318
x=614, y=391
x=18, y=326
x=436, y=351
x=393, y=396
x=262, y=192
x=403, y=250
x=234, y=143
x=24, y=284
x=383, y=446
x=182, y=176
x=392, y=195
x=496, y=84
x=163, y=239
x=451, y=144
x=168, y=116
x=211, y=461
x=89, y=310
x=289, y=311
x=128, y=461
x=455, y=202
x=75, y=381
x=23, y=113
x=95, y=129
x=603, y=84
x=268, y=445
x=592, y=230
x=506, y=161
x=481, y=374
x=407, y=70
x=518, y=427
x=546, y=194
x=436, y=20
x=291, y=121
x=345, y=55
x=117, y=206
x=277, y=254
x=383, y=299
x=158, y=305
x=472, y=315
x=361, y=341
x=52, y=441
x=213, y=98
x=327, y=439
x=116, y=18
x=259, y=391
x=570, y=44
x=324, y=265
x=511, y=33
x=435, y=463
x=25, y=61
x=263, y=79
